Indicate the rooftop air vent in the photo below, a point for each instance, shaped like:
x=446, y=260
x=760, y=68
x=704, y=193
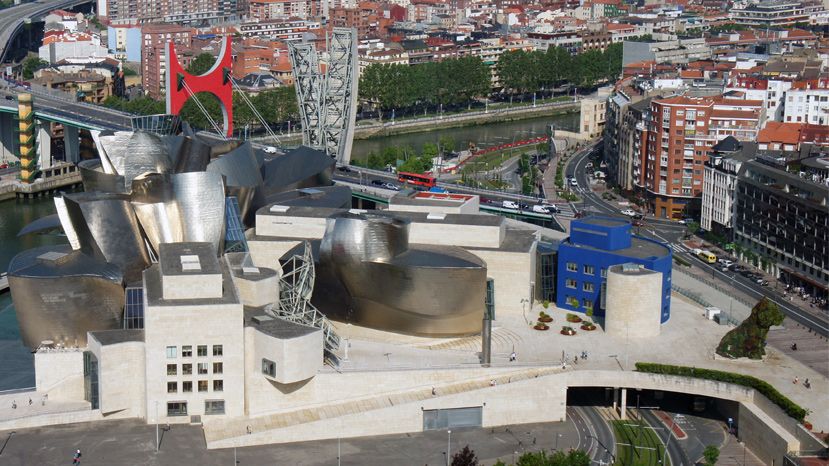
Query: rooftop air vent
x=279, y=208
x=190, y=262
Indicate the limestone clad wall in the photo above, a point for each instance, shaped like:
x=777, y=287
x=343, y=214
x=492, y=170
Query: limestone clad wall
x=634, y=303
x=513, y=272
x=266, y=252
x=290, y=227
x=121, y=377
x=448, y=234
x=59, y=373
x=297, y=359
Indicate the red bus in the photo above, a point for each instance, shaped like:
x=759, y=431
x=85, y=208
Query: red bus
x=414, y=178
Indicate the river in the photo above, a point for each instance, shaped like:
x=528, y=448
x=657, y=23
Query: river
x=490, y=134
x=17, y=369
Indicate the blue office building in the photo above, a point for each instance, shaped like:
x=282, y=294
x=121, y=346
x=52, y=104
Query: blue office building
x=596, y=243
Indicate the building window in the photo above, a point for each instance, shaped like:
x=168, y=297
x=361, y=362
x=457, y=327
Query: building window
x=604, y=272
x=202, y=350
x=217, y=350
x=572, y=302
x=171, y=369
x=572, y=267
x=218, y=385
x=589, y=270
x=177, y=408
x=187, y=387
x=587, y=304
x=202, y=368
x=171, y=352
x=587, y=286
x=202, y=385
x=214, y=407
x=186, y=369
x=172, y=387
x=268, y=367
x=570, y=283
x=217, y=368
x=186, y=351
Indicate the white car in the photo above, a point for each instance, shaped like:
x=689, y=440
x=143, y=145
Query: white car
x=629, y=212
x=573, y=182
x=542, y=209
x=510, y=205
x=269, y=149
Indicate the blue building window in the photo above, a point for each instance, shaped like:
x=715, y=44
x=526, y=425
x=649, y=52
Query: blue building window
x=572, y=267
x=589, y=270
x=570, y=283
x=587, y=286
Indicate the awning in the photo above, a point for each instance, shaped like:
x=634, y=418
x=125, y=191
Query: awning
x=809, y=280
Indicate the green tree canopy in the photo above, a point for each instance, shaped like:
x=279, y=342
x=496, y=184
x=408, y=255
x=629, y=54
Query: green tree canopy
x=711, y=455
x=201, y=64
x=32, y=64
x=465, y=457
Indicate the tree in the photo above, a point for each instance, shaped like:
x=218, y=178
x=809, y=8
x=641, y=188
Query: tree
x=201, y=64
x=711, y=455
x=447, y=144
x=32, y=64
x=465, y=457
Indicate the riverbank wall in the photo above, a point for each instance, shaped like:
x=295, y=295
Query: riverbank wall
x=393, y=128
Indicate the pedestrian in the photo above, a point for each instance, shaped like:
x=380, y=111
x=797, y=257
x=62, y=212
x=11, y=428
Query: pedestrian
x=795, y=380
x=30, y=401
x=76, y=458
x=434, y=392
x=492, y=383
x=14, y=404
x=513, y=356
x=807, y=384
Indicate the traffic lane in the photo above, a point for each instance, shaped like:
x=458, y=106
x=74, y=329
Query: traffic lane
x=816, y=323
x=596, y=438
x=675, y=452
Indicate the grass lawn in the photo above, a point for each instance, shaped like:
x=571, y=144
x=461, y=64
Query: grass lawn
x=629, y=436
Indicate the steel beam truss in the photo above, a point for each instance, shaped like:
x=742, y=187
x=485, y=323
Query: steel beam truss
x=328, y=103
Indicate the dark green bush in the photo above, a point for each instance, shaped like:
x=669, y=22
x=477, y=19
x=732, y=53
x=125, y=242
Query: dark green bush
x=790, y=407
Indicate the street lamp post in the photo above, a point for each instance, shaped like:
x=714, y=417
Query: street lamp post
x=558, y=436
x=448, y=446
x=156, y=426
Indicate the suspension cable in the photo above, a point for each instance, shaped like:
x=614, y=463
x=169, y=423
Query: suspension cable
x=204, y=110
x=255, y=112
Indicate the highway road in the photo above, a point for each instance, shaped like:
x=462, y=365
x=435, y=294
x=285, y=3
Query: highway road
x=12, y=18
x=595, y=435
x=102, y=117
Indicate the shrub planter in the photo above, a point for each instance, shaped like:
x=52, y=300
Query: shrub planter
x=568, y=331
x=588, y=326
x=572, y=318
x=543, y=317
x=541, y=326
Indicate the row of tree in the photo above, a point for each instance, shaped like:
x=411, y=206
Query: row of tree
x=523, y=72
x=429, y=85
x=467, y=457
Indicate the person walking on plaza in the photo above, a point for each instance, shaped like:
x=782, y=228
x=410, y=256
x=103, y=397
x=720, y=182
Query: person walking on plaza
x=513, y=356
x=76, y=458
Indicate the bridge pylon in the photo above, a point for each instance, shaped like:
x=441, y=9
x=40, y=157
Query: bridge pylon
x=27, y=149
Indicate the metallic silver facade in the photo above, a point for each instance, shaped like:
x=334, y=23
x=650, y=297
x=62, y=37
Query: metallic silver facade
x=62, y=298
x=328, y=103
x=423, y=290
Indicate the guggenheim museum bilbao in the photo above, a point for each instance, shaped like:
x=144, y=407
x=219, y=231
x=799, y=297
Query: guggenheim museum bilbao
x=207, y=282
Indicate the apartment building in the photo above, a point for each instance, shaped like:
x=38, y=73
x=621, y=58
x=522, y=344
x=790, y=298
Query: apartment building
x=720, y=184
x=182, y=12
x=153, y=54
x=679, y=51
x=781, y=216
x=681, y=132
x=570, y=41
x=264, y=10
x=808, y=102
x=279, y=29
x=771, y=91
x=773, y=13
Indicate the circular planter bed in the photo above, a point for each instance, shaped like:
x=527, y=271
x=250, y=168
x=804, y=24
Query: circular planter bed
x=545, y=318
x=568, y=331
x=589, y=327
x=572, y=318
x=541, y=326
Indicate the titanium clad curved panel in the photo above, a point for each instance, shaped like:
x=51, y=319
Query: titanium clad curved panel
x=242, y=175
x=107, y=227
x=424, y=290
x=336, y=197
x=353, y=238
x=66, y=222
x=200, y=202
x=49, y=222
x=145, y=153
x=94, y=179
x=191, y=155
x=112, y=148
x=300, y=168
x=159, y=222
x=62, y=299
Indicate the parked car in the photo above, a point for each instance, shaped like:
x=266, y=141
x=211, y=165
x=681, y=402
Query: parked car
x=379, y=183
x=269, y=149
x=573, y=182
x=509, y=205
x=344, y=169
x=629, y=212
x=726, y=263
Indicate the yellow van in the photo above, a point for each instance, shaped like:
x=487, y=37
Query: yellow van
x=707, y=256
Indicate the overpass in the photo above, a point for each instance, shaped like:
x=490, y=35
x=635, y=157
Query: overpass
x=12, y=19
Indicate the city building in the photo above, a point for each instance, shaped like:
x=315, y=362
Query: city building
x=291, y=10
x=593, y=112
x=200, y=12
x=59, y=45
x=86, y=86
x=681, y=132
x=808, y=102
x=154, y=53
x=125, y=42
x=570, y=41
x=275, y=29
x=678, y=51
x=719, y=184
x=770, y=13
x=596, y=244
x=781, y=216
